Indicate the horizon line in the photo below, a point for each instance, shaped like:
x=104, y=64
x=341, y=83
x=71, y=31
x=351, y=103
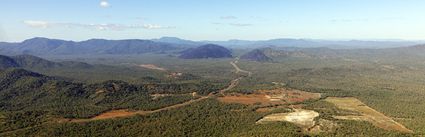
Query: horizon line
x=227, y=40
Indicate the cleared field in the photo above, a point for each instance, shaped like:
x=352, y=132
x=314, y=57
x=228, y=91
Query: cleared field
x=366, y=113
x=305, y=119
x=289, y=95
x=266, y=97
x=152, y=66
x=300, y=117
x=246, y=99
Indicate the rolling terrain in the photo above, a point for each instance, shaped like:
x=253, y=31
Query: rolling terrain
x=292, y=92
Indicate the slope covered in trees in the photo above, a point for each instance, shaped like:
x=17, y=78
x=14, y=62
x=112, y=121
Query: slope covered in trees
x=256, y=55
x=206, y=51
x=28, y=91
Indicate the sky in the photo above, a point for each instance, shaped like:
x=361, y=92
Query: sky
x=212, y=19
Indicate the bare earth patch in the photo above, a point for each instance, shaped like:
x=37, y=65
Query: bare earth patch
x=302, y=118
x=289, y=95
x=152, y=66
x=270, y=97
x=106, y=115
x=306, y=119
x=114, y=114
x=366, y=114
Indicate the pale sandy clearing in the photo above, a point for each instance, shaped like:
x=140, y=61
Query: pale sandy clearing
x=152, y=66
x=300, y=117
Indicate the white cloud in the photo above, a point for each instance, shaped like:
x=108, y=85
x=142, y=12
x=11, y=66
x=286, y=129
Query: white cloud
x=104, y=4
x=228, y=17
x=115, y=27
x=37, y=24
x=154, y=26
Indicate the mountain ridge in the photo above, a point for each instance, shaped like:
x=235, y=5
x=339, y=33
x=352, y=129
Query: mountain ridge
x=46, y=46
x=30, y=61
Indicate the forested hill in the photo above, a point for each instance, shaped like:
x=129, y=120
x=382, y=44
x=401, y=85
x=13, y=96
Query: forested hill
x=29, y=91
x=33, y=62
x=207, y=51
x=256, y=55
x=7, y=62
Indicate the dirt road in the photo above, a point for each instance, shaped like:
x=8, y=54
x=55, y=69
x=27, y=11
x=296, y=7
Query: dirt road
x=239, y=70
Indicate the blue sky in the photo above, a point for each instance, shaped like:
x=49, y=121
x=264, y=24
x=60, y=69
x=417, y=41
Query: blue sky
x=213, y=19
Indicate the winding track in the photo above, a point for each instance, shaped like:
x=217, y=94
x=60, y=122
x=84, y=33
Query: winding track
x=232, y=85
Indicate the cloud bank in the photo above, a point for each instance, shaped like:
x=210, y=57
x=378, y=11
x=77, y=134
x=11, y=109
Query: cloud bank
x=116, y=27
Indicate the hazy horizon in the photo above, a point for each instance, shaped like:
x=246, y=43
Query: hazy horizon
x=206, y=40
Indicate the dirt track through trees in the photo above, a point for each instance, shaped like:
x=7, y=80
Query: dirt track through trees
x=125, y=113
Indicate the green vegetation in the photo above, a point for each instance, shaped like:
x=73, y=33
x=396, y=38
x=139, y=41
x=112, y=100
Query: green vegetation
x=31, y=103
x=28, y=91
x=197, y=120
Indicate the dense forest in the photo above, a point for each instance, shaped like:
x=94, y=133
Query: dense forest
x=23, y=90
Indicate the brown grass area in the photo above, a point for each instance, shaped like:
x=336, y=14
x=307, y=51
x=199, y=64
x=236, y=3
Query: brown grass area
x=245, y=99
x=152, y=66
x=366, y=114
x=270, y=97
x=121, y=113
x=114, y=114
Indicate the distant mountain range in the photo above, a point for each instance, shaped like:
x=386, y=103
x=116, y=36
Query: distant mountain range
x=303, y=43
x=44, y=46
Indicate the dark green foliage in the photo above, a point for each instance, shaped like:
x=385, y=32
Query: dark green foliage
x=19, y=119
x=7, y=62
x=206, y=118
